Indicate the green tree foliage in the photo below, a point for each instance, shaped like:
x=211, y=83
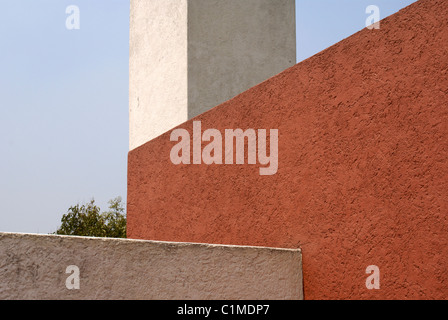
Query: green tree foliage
x=86, y=220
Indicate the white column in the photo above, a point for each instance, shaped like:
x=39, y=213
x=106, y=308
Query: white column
x=188, y=56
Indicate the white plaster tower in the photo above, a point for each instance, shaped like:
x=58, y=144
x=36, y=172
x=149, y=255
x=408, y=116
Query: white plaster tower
x=188, y=56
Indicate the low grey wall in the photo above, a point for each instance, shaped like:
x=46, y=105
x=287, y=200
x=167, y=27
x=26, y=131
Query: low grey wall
x=35, y=267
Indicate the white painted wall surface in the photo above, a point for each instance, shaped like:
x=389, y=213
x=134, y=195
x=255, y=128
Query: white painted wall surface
x=188, y=56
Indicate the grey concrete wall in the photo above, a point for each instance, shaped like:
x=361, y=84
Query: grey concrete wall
x=34, y=267
x=188, y=56
x=234, y=45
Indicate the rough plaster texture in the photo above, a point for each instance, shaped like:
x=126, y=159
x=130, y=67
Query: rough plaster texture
x=363, y=174
x=234, y=45
x=33, y=267
x=158, y=74
x=188, y=56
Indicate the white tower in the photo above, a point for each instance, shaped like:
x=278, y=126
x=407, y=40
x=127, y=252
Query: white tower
x=188, y=56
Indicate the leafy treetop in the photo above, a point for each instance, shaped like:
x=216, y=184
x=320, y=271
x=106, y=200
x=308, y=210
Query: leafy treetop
x=86, y=220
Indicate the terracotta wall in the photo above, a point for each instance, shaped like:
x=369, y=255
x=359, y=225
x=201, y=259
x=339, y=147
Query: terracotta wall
x=363, y=175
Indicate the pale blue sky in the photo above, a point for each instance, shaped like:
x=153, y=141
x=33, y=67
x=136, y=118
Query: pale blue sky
x=64, y=99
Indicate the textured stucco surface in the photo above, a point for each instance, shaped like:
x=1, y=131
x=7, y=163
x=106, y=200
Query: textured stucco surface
x=33, y=267
x=158, y=77
x=234, y=45
x=363, y=174
x=187, y=56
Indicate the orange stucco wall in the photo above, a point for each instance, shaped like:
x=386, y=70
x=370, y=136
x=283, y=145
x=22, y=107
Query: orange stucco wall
x=363, y=174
